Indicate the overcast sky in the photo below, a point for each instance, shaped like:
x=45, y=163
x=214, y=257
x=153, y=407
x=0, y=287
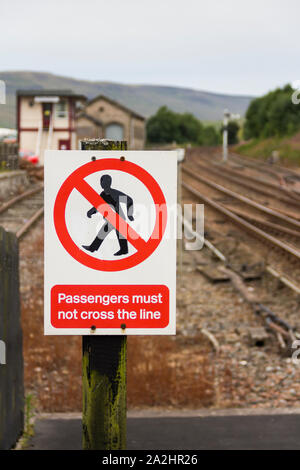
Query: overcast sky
x=227, y=46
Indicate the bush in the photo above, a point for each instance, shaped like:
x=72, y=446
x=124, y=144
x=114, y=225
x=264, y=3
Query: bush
x=210, y=136
x=166, y=127
x=233, y=130
x=273, y=114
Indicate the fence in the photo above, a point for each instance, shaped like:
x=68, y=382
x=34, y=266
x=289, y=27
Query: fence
x=11, y=369
x=9, y=156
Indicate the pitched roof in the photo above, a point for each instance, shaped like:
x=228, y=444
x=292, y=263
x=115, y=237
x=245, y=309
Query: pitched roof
x=50, y=92
x=115, y=103
x=90, y=118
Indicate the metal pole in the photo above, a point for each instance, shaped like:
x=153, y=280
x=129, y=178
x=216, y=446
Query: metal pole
x=104, y=371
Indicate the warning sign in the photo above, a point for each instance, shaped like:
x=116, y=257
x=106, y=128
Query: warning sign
x=108, y=204
x=110, y=242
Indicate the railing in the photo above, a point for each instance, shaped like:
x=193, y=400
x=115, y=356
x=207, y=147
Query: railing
x=9, y=158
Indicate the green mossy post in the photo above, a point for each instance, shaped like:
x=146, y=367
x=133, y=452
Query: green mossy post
x=104, y=371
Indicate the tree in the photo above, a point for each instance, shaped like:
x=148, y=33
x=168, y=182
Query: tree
x=190, y=128
x=210, y=136
x=273, y=114
x=166, y=126
x=163, y=127
x=233, y=129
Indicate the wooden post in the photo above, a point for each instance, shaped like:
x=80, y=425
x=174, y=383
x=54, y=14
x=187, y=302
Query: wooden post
x=104, y=371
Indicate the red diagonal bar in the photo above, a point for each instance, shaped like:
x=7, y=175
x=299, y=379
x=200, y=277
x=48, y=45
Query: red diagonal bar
x=110, y=215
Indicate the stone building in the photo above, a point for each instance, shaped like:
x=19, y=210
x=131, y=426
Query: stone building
x=102, y=117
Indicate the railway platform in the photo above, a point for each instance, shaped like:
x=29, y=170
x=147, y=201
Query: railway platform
x=238, y=429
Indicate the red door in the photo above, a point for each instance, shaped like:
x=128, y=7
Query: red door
x=64, y=144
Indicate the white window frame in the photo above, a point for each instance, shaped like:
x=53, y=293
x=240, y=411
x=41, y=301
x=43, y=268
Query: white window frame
x=58, y=112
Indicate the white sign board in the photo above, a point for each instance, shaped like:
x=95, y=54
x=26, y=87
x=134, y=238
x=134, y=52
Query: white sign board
x=110, y=242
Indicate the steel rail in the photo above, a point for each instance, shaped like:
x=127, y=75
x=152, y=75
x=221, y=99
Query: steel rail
x=272, y=320
x=295, y=223
x=266, y=223
x=241, y=180
x=20, y=197
x=258, y=163
x=29, y=223
x=281, y=173
x=244, y=224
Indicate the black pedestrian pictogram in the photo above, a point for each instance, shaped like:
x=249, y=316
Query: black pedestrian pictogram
x=113, y=198
x=143, y=248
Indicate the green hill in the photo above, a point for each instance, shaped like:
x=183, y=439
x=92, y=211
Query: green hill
x=145, y=99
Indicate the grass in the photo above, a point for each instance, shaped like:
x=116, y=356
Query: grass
x=288, y=149
x=3, y=166
x=28, y=432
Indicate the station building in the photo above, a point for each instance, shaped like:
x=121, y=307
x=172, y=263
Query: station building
x=59, y=119
x=46, y=120
x=104, y=118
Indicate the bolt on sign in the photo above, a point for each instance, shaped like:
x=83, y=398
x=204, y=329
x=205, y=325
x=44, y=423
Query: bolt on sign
x=110, y=242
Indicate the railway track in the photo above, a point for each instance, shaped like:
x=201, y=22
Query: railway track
x=283, y=330
x=20, y=213
x=256, y=185
x=282, y=174
x=272, y=221
x=277, y=229
x=245, y=225
x=257, y=228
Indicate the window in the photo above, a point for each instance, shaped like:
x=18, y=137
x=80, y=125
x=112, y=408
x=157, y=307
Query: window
x=114, y=132
x=79, y=105
x=61, y=109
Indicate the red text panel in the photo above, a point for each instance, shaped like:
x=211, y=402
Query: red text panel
x=109, y=306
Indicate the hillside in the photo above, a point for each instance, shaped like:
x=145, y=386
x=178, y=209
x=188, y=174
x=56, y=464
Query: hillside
x=287, y=149
x=145, y=99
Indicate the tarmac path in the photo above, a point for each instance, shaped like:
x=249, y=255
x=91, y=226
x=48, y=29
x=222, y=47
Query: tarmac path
x=259, y=430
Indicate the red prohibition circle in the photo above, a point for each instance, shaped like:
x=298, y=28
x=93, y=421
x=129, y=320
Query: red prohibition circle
x=75, y=179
